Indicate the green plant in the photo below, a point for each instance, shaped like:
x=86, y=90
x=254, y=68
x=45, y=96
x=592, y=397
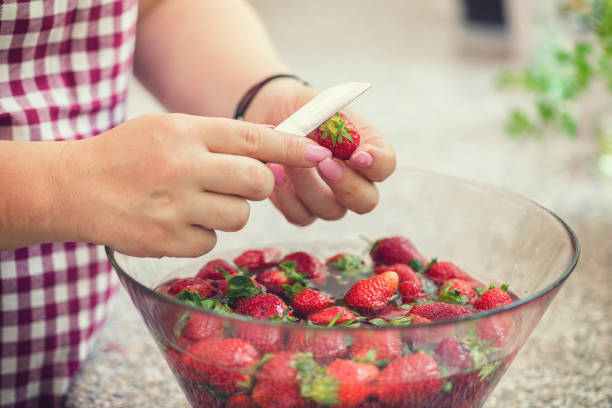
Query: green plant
x=557, y=78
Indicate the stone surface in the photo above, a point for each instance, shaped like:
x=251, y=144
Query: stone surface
x=437, y=104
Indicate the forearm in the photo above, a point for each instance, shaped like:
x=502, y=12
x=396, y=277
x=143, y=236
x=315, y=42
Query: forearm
x=30, y=212
x=200, y=56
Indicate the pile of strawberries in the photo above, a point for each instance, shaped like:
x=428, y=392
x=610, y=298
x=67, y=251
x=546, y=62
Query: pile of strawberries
x=270, y=365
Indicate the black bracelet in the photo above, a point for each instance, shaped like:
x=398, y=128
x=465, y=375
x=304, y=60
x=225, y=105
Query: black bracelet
x=246, y=100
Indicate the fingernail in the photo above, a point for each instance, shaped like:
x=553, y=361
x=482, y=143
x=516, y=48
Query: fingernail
x=315, y=153
x=267, y=125
x=363, y=159
x=280, y=177
x=330, y=169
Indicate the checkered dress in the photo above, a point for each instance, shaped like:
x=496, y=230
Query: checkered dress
x=64, y=70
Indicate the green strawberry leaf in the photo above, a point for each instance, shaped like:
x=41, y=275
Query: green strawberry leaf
x=347, y=263
x=370, y=358
x=292, y=291
x=194, y=299
x=448, y=295
x=315, y=384
x=335, y=319
x=240, y=286
x=504, y=287
x=430, y=264
x=416, y=265
x=480, y=291
x=398, y=321
x=350, y=323
x=447, y=386
x=266, y=357
x=288, y=268
x=489, y=369
x=284, y=318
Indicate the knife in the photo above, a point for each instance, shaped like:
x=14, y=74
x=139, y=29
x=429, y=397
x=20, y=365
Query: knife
x=322, y=107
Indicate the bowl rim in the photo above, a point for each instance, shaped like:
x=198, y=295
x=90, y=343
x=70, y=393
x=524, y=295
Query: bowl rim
x=573, y=239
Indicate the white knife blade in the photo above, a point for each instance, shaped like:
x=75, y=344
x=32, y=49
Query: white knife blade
x=322, y=107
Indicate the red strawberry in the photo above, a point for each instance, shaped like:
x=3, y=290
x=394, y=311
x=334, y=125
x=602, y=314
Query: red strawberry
x=389, y=251
x=277, y=384
x=274, y=279
x=492, y=299
x=440, y=311
x=411, y=292
x=325, y=346
x=344, y=262
x=353, y=380
x=265, y=339
x=453, y=354
x=240, y=401
x=201, y=327
x=326, y=316
x=456, y=291
x=163, y=288
x=339, y=135
x=372, y=294
x=202, y=287
x=439, y=272
x=497, y=329
x=307, y=264
x=309, y=301
x=256, y=259
x=210, y=271
x=404, y=273
x=225, y=364
x=387, y=344
x=409, y=381
x=262, y=306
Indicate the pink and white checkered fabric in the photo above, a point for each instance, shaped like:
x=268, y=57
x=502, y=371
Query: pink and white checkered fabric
x=64, y=71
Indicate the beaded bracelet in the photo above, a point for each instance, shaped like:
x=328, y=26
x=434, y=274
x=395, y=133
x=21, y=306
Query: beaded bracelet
x=246, y=100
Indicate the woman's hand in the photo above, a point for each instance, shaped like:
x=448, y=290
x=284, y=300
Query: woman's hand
x=160, y=185
x=304, y=194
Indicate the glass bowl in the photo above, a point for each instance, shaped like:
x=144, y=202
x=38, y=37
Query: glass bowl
x=495, y=236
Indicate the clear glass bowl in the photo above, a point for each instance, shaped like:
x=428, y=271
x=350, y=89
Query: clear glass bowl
x=493, y=235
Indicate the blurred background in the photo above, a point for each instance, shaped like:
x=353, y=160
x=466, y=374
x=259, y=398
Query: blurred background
x=515, y=93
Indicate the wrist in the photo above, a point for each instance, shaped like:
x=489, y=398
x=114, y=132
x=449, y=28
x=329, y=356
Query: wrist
x=277, y=100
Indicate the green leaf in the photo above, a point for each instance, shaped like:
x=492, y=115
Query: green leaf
x=480, y=291
x=416, y=265
x=266, y=357
x=487, y=370
x=347, y=262
x=240, y=286
x=504, y=287
x=370, y=358
x=288, y=268
x=519, y=124
x=448, y=295
x=335, y=319
x=194, y=299
x=430, y=264
x=291, y=291
x=547, y=111
x=567, y=124
x=315, y=384
x=378, y=322
x=225, y=273
x=447, y=386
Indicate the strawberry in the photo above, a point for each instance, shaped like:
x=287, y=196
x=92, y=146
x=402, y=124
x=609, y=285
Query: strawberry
x=409, y=381
x=456, y=291
x=404, y=273
x=325, y=346
x=491, y=299
x=412, y=292
x=201, y=327
x=274, y=279
x=453, y=354
x=339, y=135
x=389, y=251
x=371, y=295
x=497, y=329
x=440, y=272
x=277, y=383
x=202, y=287
x=240, y=401
x=210, y=270
x=254, y=260
x=344, y=262
x=262, y=306
x=225, y=364
x=163, y=288
x=440, y=311
x=307, y=264
x=353, y=381
x=386, y=344
x=266, y=339
x=335, y=314
x=307, y=301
